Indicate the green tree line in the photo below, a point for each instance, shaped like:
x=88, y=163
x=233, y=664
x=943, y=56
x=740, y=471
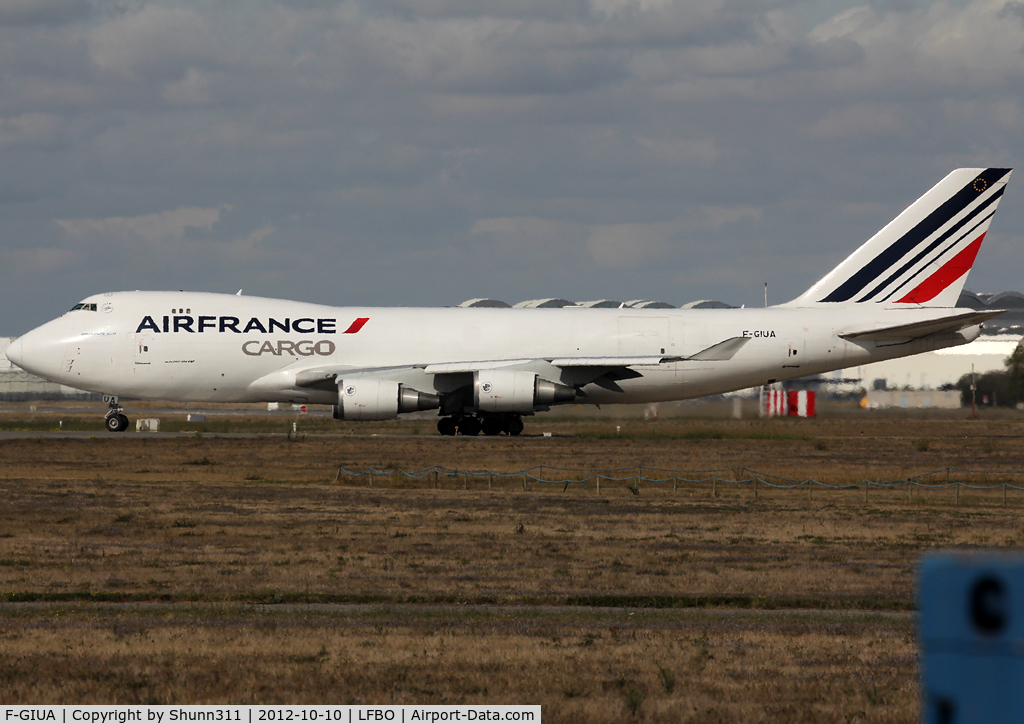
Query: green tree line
x=1004, y=388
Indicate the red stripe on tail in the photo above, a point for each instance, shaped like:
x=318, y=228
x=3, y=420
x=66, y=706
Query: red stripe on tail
x=946, y=275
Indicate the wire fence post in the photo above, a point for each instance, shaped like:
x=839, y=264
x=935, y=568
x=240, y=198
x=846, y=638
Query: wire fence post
x=395, y=477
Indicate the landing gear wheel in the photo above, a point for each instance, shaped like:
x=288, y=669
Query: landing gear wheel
x=116, y=423
x=469, y=426
x=514, y=426
x=446, y=426
x=492, y=426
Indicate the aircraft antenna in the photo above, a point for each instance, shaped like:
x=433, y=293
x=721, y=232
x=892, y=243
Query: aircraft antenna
x=766, y=294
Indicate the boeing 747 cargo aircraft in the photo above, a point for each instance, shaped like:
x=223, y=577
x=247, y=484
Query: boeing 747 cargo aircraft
x=483, y=369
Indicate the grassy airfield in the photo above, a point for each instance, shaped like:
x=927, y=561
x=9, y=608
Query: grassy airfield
x=225, y=569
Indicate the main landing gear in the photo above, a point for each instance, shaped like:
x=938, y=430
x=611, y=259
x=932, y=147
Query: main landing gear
x=490, y=425
x=116, y=420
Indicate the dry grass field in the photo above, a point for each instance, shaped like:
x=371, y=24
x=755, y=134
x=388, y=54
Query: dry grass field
x=587, y=666
x=246, y=574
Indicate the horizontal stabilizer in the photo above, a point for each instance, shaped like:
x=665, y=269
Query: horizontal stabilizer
x=915, y=330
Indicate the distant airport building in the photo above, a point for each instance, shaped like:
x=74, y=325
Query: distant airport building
x=944, y=399
x=1011, y=322
x=480, y=302
x=558, y=303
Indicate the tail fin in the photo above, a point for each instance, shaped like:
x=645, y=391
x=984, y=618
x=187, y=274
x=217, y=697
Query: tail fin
x=921, y=257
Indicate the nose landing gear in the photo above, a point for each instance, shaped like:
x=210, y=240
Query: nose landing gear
x=116, y=420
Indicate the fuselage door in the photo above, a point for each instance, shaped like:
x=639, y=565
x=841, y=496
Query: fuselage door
x=142, y=344
x=793, y=351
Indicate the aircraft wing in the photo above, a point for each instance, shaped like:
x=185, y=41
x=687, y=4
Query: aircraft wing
x=589, y=368
x=915, y=330
x=457, y=367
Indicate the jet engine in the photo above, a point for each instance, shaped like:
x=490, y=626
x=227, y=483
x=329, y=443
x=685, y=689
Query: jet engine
x=516, y=391
x=368, y=399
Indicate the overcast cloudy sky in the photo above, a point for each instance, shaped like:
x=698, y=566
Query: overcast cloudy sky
x=423, y=152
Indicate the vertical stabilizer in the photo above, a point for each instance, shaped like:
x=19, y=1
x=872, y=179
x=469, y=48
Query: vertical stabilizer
x=922, y=257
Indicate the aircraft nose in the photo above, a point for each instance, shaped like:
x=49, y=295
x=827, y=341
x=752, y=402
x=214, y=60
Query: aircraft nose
x=40, y=351
x=14, y=351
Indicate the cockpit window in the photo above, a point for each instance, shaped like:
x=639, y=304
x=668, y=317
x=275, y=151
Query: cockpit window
x=84, y=307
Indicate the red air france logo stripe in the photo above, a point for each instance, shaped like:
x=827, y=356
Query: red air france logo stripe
x=949, y=273
x=356, y=325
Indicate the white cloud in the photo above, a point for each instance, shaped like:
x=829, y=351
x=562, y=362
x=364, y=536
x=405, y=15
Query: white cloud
x=152, y=38
x=845, y=24
x=635, y=142
x=864, y=120
x=628, y=246
x=715, y=217
x=702, y=152
x=44, y=261
x=518, y=225
x=29, y=128
x=637, y=245
x=196, y=88
x=152, y=228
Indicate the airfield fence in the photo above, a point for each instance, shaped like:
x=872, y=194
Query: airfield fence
x=633, y=476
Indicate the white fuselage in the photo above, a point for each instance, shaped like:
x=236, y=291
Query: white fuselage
x=224, y=348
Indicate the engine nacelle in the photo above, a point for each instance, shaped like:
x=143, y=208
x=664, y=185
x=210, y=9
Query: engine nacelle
x=368, y=399
x=516, y=391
